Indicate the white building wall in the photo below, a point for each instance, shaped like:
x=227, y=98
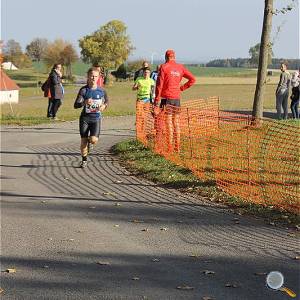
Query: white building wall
x=9, y=96
x=8, y=66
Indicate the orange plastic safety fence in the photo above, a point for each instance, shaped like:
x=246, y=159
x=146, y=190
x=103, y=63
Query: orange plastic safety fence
x=259, y=163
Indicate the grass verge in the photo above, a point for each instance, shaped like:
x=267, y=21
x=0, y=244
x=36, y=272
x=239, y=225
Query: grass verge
x=142, y=162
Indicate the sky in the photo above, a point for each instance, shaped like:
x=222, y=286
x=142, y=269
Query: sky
x=198, y=30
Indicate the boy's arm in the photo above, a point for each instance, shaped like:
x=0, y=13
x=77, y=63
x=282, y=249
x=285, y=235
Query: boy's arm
x=79, y=102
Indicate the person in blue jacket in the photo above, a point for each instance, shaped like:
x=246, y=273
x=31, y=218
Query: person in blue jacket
x=93, y=100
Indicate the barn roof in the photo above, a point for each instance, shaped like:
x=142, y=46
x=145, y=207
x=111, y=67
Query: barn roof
x=7, y=84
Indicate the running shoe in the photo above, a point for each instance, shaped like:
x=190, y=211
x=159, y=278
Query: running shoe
x=83, y=164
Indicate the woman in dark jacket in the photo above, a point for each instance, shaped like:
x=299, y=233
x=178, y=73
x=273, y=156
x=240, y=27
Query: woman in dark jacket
x=56, y=90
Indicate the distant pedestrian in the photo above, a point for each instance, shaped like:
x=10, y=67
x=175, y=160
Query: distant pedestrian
x=168, y=89
x=282, y=93
x=93, y=99
x=154, y=76
x=140, y=72
x=295, y=97
x=56, y=91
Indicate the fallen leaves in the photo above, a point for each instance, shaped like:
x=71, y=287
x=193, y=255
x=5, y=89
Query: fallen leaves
x=208, y=272
x=116, y=225
x=231, y=285
x=103, y=263
x=164, y=228
x=185, y=287
x=260, y=273
x=1, y=290
x=117, y=204
x=145, y=229
x=137, y=221
x=135, y=278
x=109, y=194
x=10, y=270
x=236, y=221
x=207, y=298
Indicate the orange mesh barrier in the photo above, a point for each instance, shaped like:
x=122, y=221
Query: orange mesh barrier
x=260, y=164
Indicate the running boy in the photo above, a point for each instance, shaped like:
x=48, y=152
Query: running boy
x=94, y=101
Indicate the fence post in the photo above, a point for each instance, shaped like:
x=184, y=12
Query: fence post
x=190, y=135
x=218, y=112
x=248, y=150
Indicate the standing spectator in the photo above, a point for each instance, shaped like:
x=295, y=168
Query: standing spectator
x=154, y=76
x=56, y=91
x=282, y=93
x=145, y=87
x=93, y=99
x=140, y=72
x=168, y=89
x=295, y=97
x=100, y=81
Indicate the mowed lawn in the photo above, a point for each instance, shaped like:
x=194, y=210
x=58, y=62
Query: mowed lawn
x=235, y=92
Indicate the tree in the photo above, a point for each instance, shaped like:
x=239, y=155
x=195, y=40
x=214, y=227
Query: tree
x=36, y=49
x=134, y=65
x=121, y=72
x=254, y=54
x=257, y=111
x=60, y=52
x=1, y=54
x=12, y=52
x=109, y=46
x=53, y=52
x=69, y=56
x=22, y=61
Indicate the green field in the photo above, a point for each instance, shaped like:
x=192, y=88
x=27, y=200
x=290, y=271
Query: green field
x=235, y=92
x=222, y=72
x=80, y=68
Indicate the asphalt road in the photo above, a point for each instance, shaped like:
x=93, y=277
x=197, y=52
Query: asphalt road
x=102, y=233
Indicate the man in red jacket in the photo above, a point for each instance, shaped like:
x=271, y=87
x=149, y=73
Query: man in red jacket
x=168, y=89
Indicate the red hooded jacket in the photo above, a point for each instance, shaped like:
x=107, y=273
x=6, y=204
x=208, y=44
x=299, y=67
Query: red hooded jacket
x=169, y=78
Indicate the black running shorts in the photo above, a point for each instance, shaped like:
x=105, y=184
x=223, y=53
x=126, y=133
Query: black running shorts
x=89, y=126
x=173, y=102
x=172, y=106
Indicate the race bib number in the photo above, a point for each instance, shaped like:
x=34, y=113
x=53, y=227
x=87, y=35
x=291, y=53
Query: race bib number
x=94, y=107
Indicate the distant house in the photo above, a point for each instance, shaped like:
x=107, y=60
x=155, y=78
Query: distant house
x=8, y=65
x=9, y=91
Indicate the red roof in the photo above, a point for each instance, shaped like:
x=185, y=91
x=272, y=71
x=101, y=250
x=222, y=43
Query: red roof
x=7, y=84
